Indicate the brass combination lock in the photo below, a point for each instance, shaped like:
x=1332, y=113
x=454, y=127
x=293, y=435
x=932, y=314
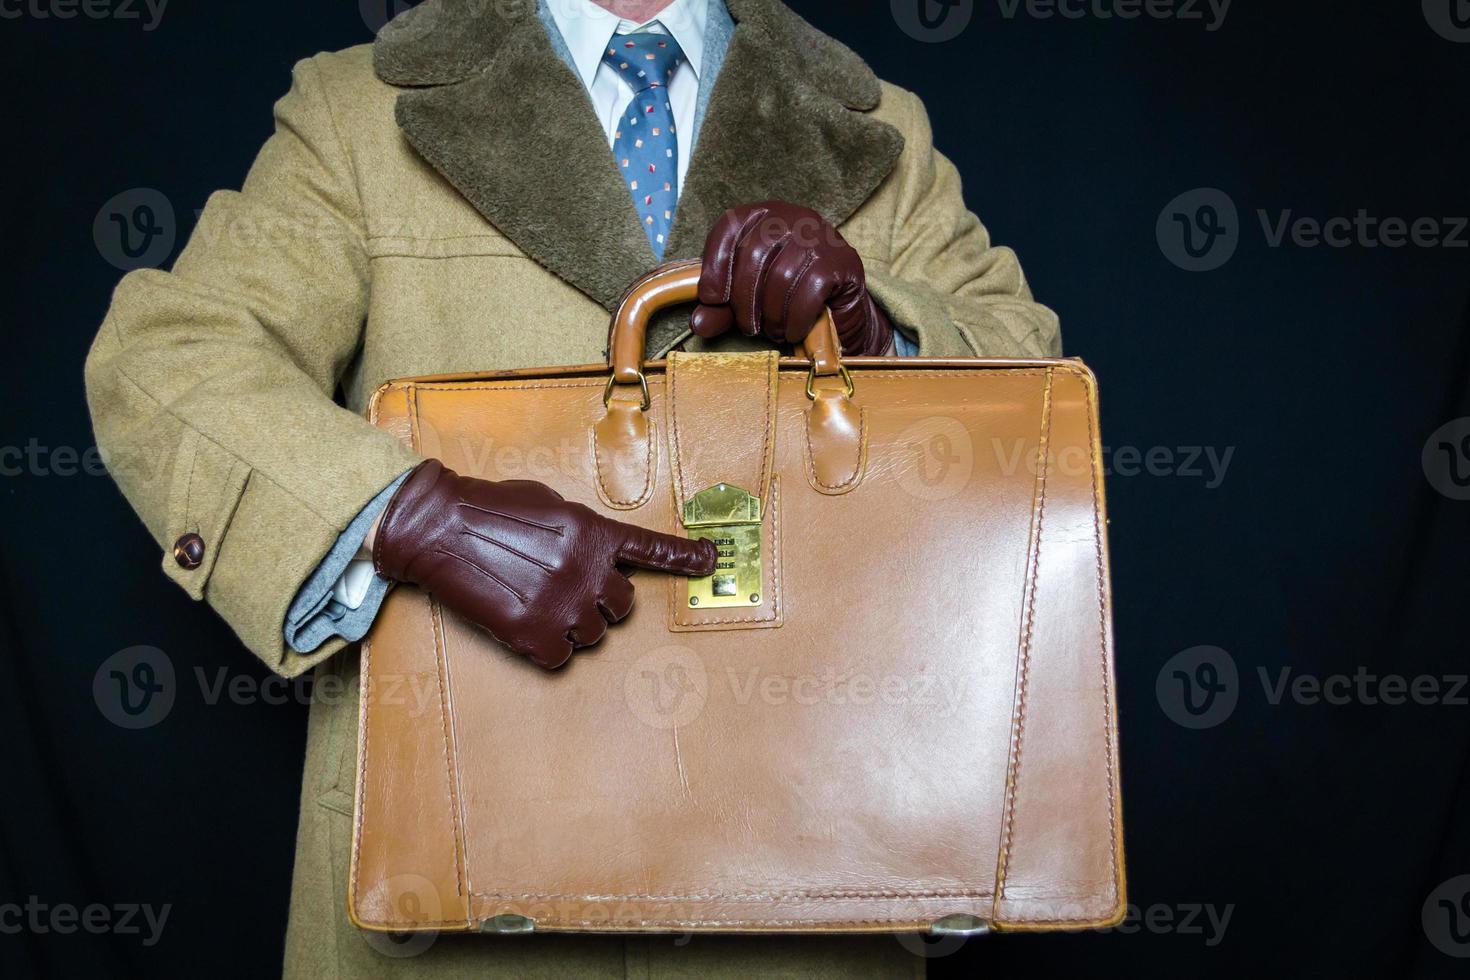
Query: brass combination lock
x=731, y=518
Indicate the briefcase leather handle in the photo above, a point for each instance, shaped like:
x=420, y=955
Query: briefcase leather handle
x=678, y=282
x=622, y=440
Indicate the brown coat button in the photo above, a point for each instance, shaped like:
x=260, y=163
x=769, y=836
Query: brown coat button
x=189, y=551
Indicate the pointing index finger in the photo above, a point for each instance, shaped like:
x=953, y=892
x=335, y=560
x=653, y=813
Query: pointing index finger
x=661, y=552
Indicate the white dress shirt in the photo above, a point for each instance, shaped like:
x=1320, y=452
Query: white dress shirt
x=587, y=28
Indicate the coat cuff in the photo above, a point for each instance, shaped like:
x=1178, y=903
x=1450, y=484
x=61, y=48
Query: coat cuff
x=273, y=544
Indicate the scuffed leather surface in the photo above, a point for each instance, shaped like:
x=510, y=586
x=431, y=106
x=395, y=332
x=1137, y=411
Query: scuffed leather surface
x=931, y=730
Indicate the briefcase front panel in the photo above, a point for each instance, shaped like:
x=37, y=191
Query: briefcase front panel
x=907, y=723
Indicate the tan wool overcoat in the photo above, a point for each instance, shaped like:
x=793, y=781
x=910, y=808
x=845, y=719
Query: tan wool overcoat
x=445, y=201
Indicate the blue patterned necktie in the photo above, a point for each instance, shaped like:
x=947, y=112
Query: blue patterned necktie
x=646, y=141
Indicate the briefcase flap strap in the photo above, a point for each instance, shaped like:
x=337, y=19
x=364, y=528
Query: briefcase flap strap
x=722, y=422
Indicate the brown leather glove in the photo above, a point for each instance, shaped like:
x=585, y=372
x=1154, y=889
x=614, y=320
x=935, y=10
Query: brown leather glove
x=769, y=268
x=539, y=573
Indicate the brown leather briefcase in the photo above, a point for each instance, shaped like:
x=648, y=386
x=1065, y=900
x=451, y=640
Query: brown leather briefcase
x=891, y=708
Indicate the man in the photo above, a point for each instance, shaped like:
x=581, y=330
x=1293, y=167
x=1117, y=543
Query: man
x=475, y=191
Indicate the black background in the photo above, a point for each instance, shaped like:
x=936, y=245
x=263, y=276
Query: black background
x=1324, y=828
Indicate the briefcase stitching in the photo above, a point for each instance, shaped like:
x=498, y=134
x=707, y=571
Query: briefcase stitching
x=451, y=766
x=650, y=472
x=1085, y=377
x=1018, y=719
x=803, y=894
x=849, y=484
x=1109, y=717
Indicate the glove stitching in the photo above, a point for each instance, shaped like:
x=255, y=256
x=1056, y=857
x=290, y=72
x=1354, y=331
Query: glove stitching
x=502, y=545
x=811, y=259
x=558, y=529
x=488, y=574
x=762, y=275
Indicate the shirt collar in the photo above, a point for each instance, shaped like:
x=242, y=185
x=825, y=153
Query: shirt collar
x=586, y=28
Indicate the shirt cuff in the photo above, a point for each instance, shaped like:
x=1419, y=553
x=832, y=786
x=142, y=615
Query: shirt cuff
x=342, y=596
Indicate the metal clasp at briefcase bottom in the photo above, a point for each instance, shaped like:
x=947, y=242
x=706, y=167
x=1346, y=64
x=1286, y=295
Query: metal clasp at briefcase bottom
x=731, y=518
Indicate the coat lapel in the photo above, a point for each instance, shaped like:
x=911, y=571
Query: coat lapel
x=519, y=139
x=781, y=125
x=510, y=126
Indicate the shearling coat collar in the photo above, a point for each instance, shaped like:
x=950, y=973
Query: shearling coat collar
x=492, y=108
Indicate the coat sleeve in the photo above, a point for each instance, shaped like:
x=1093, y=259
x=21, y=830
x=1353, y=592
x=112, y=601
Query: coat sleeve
x=211, y=386
x=945, y=284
